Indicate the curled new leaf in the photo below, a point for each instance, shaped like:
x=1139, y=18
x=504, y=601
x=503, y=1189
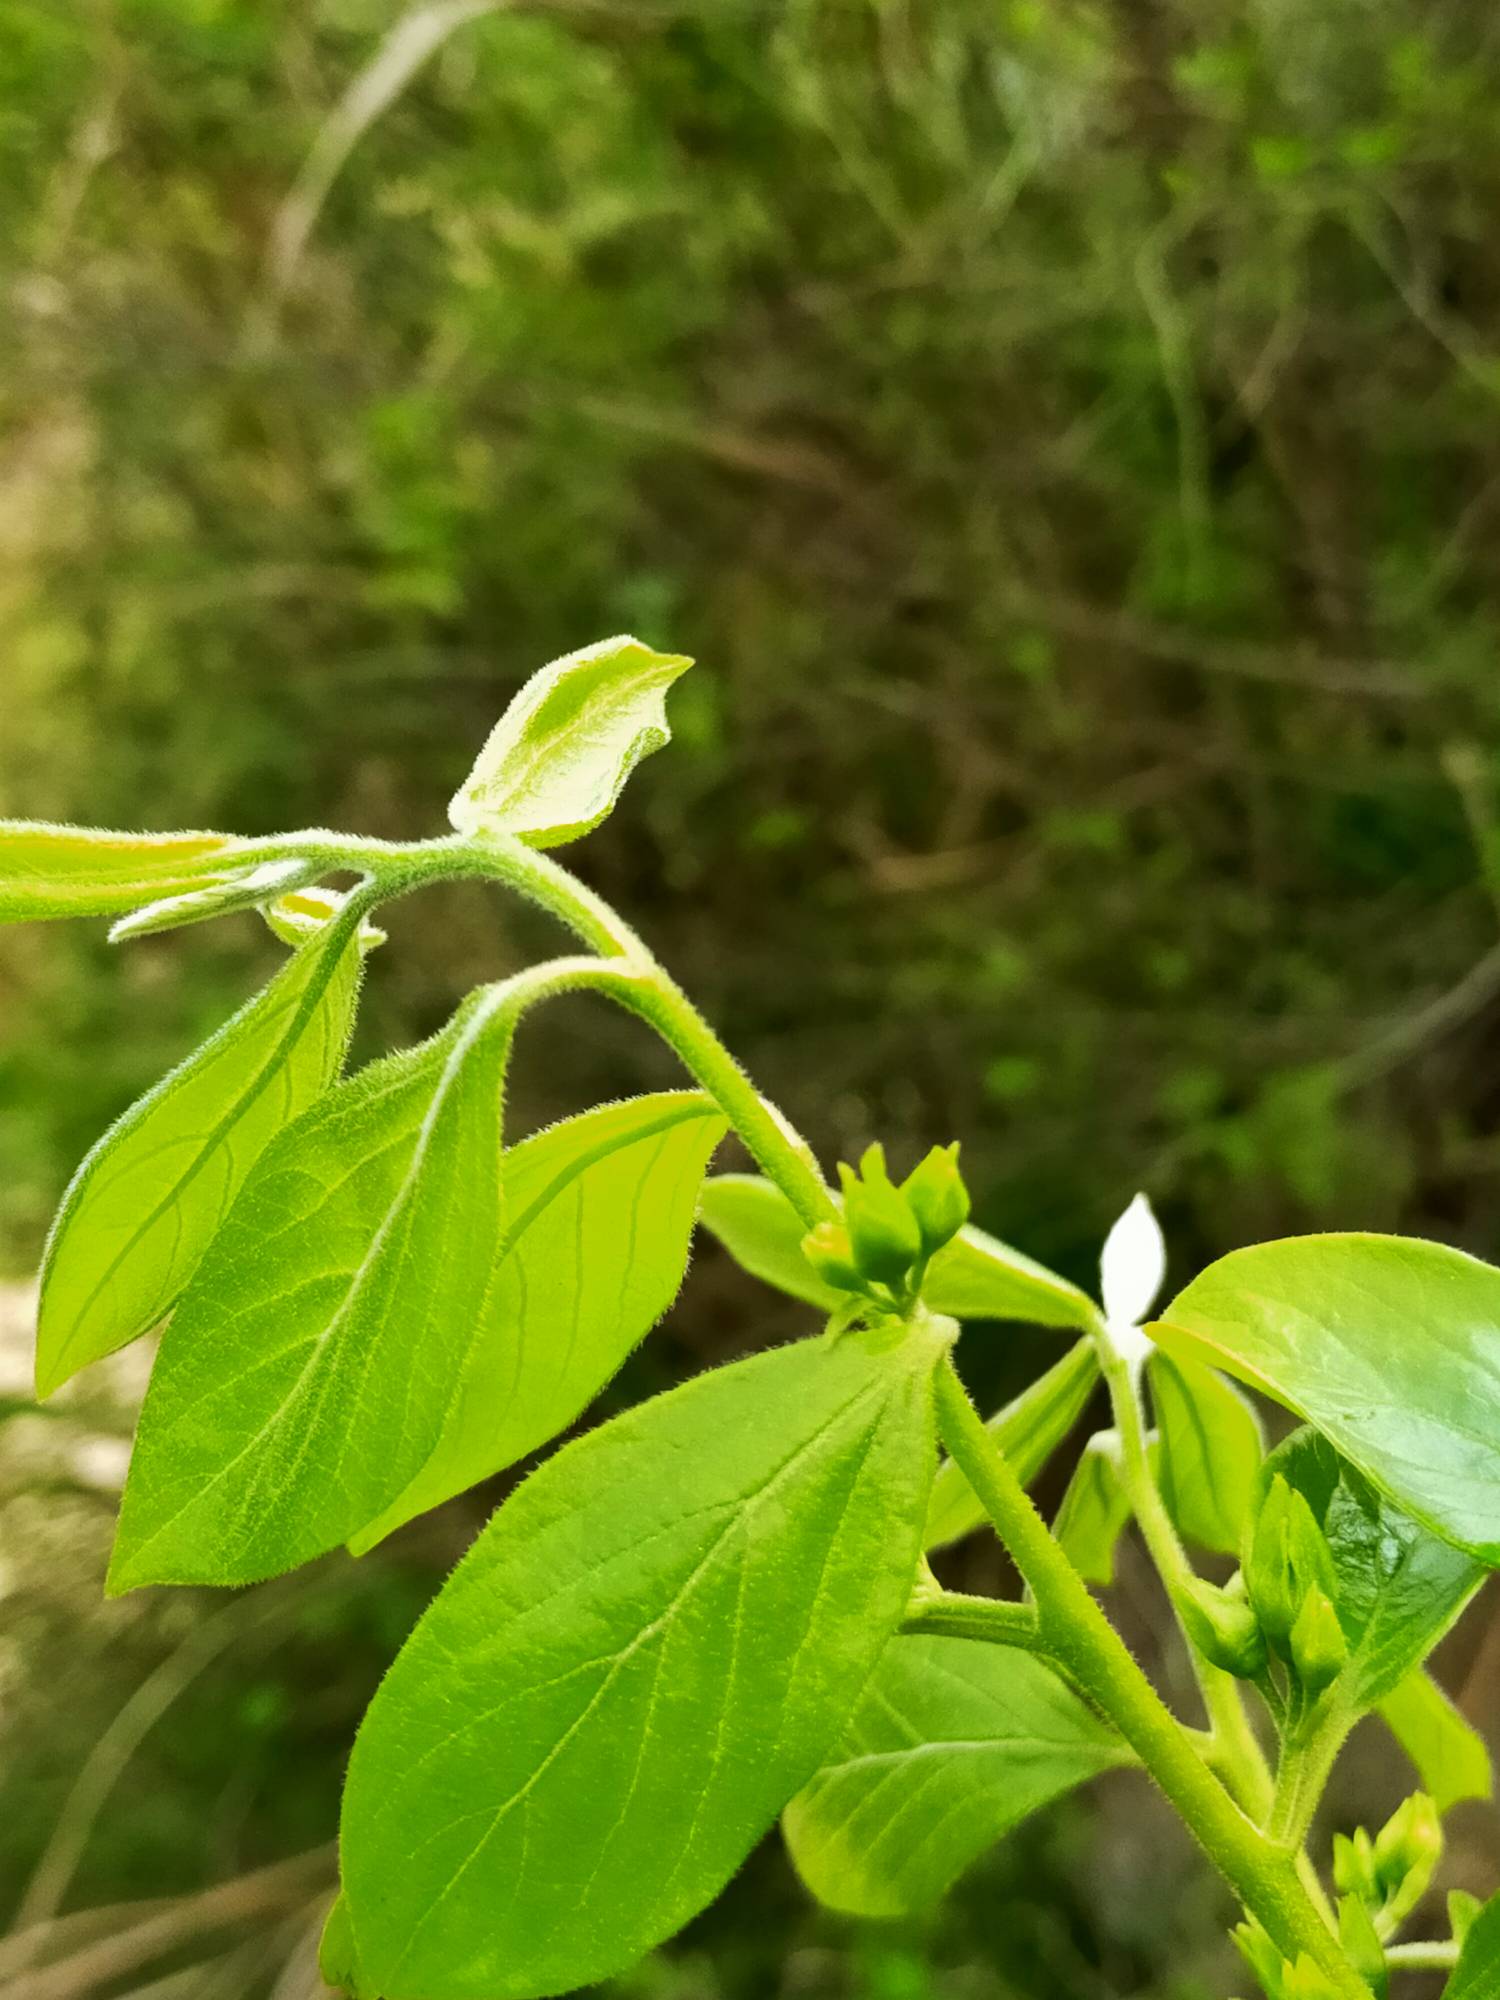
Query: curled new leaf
x=558, y=758
x=149, y=1198
x=244, y=889
x=598, y=1214
x=953, y=1745
x=653, y=1645
x=70, y=871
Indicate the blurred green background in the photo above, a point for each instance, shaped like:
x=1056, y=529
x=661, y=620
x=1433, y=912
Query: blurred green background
x=1068, y=435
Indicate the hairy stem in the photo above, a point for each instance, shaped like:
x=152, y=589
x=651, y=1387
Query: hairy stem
x=1238, y=1752
x=1428, y=1955
x=1264, y=1876
x=955, y=1615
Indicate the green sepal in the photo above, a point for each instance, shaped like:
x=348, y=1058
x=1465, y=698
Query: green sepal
x=882, y=1230
x=935, y=1193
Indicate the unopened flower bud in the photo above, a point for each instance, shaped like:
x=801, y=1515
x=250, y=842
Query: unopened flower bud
x=1289, y=1559
x=1407, y=1850
x=936, y=1195
x=1354, y=1866
x=1318, y=1649
x=882, y=1229
x=827, y=1249
x=1223, y=1628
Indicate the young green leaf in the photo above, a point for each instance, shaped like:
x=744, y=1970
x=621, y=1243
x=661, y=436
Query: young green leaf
x=150, y=1196
x=1388, y=1345
x=1477, y=1974
x=1211, y=1448
x=244, y=889
x=558, y=758
x=1094, y=1510
x=952, y=1746
x=649, y=1650
x=1028, y=1430
x=1451, y=1758
x=304, y=1378
x=1396, y=1587
x=598, y=1214
x=72, y=871
x=974, y=1277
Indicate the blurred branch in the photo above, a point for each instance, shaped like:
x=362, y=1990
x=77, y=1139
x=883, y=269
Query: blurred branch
x=415, y=38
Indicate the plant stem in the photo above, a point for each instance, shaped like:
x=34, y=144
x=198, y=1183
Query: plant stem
x=1426, y=1955
x=1238, y=1751
x=1073, y=1627
x=955, y=1615
x=1306, y=1760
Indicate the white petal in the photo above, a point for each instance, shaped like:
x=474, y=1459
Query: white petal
x=1133, y=1264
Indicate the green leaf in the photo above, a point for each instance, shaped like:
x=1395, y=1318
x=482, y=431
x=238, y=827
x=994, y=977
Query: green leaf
x=974, y=1277
x=1211, y=1448
x=148, y=1199
x=952, y=1746
x=598, y=1215
x=1094, y=1510
x=338, y=1961
x=653, y=1645
x=763, y=1233
x=73, y=871
x=1477, y=1974
x=304, y=1379
x=1451, y=1758
x=1388, y=1345
x=1028, y=1430
x=1397, y=1588
x=558, y=758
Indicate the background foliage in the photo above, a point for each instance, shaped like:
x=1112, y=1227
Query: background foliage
x=1069, y=437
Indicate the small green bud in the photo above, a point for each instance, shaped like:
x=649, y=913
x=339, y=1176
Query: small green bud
x=936, y=1195
x=1289, y=1559
x=1319, y=1650
x=882, y=1229
x=1407, y=1850
x=1278, y=1979
x=1354, y=1866
x=827, y=1249
x=1223, y=1628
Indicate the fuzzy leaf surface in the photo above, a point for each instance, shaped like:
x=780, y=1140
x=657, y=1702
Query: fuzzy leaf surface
x=1477, y=1974
x=598, y=1217
x=953, y=1745
x=150, y=1196
x=558, y=758
x=649, y=1650
x=76, y=871
x=1388, y=1345
x=305, y=1376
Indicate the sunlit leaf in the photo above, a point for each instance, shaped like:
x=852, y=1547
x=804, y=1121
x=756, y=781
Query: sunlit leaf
x=70, y=871
x=1450, y=1755
x=558, y=758
x=1211, y=1448
x=1388, y=1345
x=1027, y=1430
x=649, y=1650
x=147, y=1201
x=598, y=1213
x=305, y=1377
x=953, y=1745
x=974, y=1277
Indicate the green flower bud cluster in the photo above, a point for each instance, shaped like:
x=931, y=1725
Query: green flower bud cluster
x=1389, y=1875
x=1223, y=1627
x=1290, y=1583
x=889, y=1233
